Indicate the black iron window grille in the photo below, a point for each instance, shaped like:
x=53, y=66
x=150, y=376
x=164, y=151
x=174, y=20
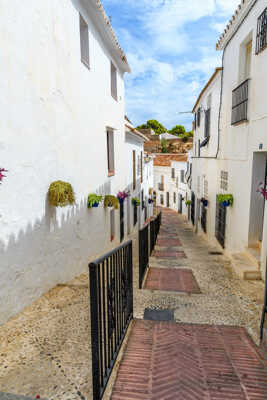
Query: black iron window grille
x=240, y=103
x=198, y=117
x=207, y=124
x=261, y=40
x=111, y=299
x=220, y=224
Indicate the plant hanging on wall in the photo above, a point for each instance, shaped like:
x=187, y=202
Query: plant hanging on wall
x=204, y=202
x=111, y=201
x=1, y=174
x=225, y=200
x=188, y=203
x=94, y=200
x=136, y=201
x=150, y=201
x=150, y=191
x=122, y=196
x=61, y=194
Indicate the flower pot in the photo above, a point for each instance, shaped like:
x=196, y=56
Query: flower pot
x=95, y=204
x=135, y=203
x=150, y=201
x=205, y=203
x=225, y=203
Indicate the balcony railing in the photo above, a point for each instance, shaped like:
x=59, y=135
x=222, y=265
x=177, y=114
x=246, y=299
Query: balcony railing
x=161, y=187
x=240, y=103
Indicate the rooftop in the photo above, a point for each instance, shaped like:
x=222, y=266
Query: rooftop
x=238, y=17
x=164, y=160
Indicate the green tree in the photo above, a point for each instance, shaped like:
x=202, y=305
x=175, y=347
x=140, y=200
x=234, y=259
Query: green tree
x=157, y=127
x=177, y=130
x=164, y=146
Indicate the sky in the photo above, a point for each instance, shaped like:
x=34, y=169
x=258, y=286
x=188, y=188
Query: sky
x=171, y=48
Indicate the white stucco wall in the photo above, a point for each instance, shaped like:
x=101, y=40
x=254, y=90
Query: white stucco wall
x=170, y=184
x=241, y=143
x=54, y=117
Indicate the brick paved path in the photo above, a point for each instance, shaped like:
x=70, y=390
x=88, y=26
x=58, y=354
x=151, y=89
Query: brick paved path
x=178, y=361
x=172, y=361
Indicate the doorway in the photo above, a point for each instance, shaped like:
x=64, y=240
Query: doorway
x=258, y=200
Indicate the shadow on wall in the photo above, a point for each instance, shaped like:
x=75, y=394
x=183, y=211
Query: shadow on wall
x=54, y=250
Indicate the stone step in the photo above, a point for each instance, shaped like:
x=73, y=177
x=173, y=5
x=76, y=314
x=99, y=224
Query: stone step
x=254, y=255
x=244, y=268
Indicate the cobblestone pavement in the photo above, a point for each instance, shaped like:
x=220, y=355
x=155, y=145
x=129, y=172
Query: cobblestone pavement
x=45, y=350
x=203, y=356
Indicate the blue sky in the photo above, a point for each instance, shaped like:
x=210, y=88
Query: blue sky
x=170, y=46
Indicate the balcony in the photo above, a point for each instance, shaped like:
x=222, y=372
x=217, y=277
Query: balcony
x=161, y=187
x=240, y=103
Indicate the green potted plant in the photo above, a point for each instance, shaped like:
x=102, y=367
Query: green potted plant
x=111, y=201
x=225, y=200
x=136, y=201
x=61, y=194
x=188, y=203
x=93, y=200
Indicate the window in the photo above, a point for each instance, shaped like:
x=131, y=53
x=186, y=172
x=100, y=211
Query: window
x=224, y=180
x=142, y=199
x=161, y=184
x=112, y=225
x=173, y=173
x=177, y=181
x=110, y=153
x=240, y=103
x=182, y=176
x=135, y=214
x=84, y=40
x=261, y=42
x=207, y=118
x=174, y=197
x=113, y=72
x=205, y=188
x=161, y=199
x=168, y=199
x=198, y=184
x=198, y=117
x=134, y=170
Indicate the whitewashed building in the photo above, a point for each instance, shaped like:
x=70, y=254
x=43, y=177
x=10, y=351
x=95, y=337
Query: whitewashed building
x=169, y=180
x=63, y=106
x=204, y=156
x=239, y=167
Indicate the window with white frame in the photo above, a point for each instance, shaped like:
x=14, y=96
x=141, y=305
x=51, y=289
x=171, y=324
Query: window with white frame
x=224, y=180
x=174, y=197
x=182, y=176
x=162, y=199
x=113, y=77
x=173, y=173
x=205, y=188
x=110, y=152
x=84, y=40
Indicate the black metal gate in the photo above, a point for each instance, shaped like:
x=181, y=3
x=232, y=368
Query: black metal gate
x=121, y=221
x=143, y=254
x=135, y=214
x=154, y=230
x=220, y=223
x=204, y=218
x=111, y=298
x=193, y=201
x=180, y=210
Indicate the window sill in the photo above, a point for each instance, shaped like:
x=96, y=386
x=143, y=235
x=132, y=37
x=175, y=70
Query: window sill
x=85, y=63
x=244, y=121
x=111, y=173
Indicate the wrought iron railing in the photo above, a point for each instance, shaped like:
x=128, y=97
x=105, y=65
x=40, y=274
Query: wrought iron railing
x=261, y=40
x=220, y=223
x=111, y=298
x=240, y=103
x=264, y=310
x=154, y=231
x=143, y=254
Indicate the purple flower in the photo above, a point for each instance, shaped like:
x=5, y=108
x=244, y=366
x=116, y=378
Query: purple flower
x=122, y=195
x=1, y=173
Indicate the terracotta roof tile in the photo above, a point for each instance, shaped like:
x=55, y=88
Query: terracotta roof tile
x=164, y=160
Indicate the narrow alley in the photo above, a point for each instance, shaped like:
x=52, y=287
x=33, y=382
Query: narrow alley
x=193, y=341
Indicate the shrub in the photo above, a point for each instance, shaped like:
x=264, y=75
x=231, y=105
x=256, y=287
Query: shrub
x=111, y=201
x=61, y=194
x=92, y=199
